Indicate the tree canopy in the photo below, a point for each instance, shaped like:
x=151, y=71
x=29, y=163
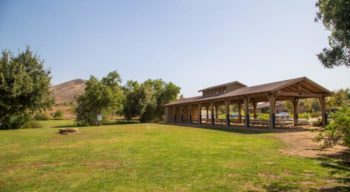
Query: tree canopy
x=339, y=98
x=135, y=100
x=24, y=88
x=101, y=97
x=146, y=100
x=335, y=15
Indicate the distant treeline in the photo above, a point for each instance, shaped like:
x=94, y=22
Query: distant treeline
x=107, y=96
x=25, y=92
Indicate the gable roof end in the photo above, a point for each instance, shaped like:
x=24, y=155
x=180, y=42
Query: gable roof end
x=222, y=85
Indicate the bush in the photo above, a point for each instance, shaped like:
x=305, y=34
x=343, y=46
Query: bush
x=32, y=124
x=304, y=115
x=263, y=116
x=58, y=115
x=41, y=117
x=315, y=114
x=16, y=121
x=338, y=129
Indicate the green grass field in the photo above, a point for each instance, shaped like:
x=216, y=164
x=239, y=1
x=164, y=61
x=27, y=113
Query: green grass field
x=154, y=157
x=57, y=123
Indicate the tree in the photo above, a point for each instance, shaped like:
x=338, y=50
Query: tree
x=288, y=105
x=24, y=88
x=339, y=98
x=146, y=100
x=316, y=105
x=158, y=94
x=135, y=100
x=307, y=104
x=101, y=97
x=58, y=115
x=335, y=15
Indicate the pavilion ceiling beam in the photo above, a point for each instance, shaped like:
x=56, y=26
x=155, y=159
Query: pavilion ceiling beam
x=291, y=88
x=305, y=89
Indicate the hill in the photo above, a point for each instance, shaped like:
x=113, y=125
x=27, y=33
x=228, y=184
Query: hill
x=66, y=93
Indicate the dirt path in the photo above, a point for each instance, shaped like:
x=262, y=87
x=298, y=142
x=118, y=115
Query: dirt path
x=302, y=143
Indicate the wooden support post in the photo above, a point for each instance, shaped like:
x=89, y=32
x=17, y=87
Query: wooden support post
x=295, y=102
x=254, y=110
x=200, y=113
x=272, y=100
x=190, y=114
x=212, y=113
x=181, y=115
x=240, y=112
x=323, y=111
x=246, y=112
x=174, y=113
x=166, y=114
x=207, y=118
x=216, y=112
x=227, y=104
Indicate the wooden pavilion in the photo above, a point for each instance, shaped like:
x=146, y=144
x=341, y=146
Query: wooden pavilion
x=190, y=110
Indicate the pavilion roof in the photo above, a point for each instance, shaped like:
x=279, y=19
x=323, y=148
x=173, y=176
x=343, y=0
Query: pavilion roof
x=257, y=89
x=223, y=85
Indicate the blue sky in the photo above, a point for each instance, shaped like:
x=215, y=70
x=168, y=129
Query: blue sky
x=194, y=44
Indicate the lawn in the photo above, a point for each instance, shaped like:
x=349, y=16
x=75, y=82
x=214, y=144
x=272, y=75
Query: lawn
x=154, y=157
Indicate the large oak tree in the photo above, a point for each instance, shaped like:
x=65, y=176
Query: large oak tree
x=24, y=88
x=335, y=15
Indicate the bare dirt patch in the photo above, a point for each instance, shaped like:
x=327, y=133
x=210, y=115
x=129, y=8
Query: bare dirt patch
x=302, y=143
x=67, y=131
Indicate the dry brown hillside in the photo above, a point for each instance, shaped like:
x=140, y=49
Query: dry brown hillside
x=66, y=93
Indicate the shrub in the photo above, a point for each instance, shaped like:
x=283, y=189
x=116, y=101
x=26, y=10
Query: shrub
x=32, y=124
x=304, y=115
x=41, y=116
x=338, y=129
x=16, y=121
x=315, y=114
x=263, y=116
x=58, y=115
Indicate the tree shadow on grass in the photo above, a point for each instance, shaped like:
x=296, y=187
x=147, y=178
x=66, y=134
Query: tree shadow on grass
x=280, y=186
x=239, y=129
x=339, y=163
